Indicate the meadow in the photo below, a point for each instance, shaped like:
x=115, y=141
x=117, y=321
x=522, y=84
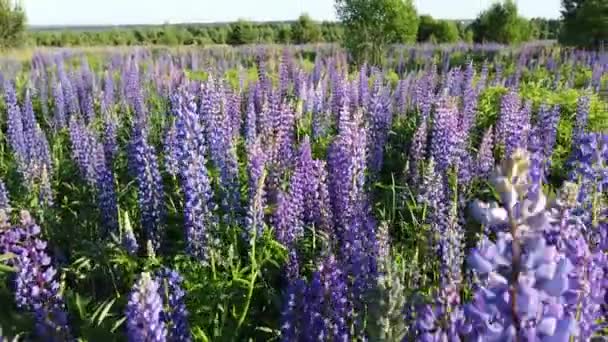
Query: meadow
x=264, y=193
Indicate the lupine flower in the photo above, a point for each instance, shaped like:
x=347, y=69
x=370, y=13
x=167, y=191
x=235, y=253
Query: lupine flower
x=256, y=168
x=485, y=155
x=128, y=240
x=15, y=133
x=513, y=124
x=59, y=120
x=445, y=139
x=547, y=130
x=380, y=121
x=83, y=147
x=441, y=320
x=582, y=117
x=4, y=200
x=175, y=314
x=292, y=311
x=523, y=278
x=106, y=192
x=144, y=312
x=198, y=195
x=144, y=166
x=417, y=151
x=36, y=286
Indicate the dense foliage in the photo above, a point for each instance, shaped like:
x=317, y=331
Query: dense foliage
x=501, y=24
x=12, y=24
x=585, y=23
x=372, y=25
x=254, y=194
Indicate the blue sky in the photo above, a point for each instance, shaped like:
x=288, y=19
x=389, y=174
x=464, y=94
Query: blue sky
x=120, y=12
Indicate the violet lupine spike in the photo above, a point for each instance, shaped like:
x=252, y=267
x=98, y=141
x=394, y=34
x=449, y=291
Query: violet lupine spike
x=318, y=207
x=4, y=198
x=336, y=287
x=508, y=127
x=547, y=127
x=292, y=312
x=198, y=195
x=485, y=155
x=417, y=152
x=15, y=133
x=582, y=118
x=36, y=287
x=380, y=121
x=175, y=314
x=106, y=191
x=107, y=100
x=523, y=279
x=315, y=326
x=363, y=84
x=144, y=312
x=256, y=168
x=109, y=137
x=586, y=296
x=171, y=150
x=83, y=147
x=85, y=96
x=143, y=164
x=250, y=119
x=445, y=140
x=69, y=94
x=59, y=109
x=222, y=149
x=441, y=320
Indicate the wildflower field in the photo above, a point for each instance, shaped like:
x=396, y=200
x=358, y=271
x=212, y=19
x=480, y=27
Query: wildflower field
x=269, y=193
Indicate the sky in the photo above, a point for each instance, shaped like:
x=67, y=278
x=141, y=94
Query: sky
x=123, y=12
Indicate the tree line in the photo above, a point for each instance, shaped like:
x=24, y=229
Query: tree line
x=364, y=27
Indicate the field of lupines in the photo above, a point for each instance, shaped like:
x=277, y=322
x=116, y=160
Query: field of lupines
x=454, y=194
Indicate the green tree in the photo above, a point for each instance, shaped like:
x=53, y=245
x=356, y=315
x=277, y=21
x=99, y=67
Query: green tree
x=501, y=24
x=12, y=24
x=584, y=23
x=242, y=32
x=305, y=30
x=425, y=28
x=371, y=25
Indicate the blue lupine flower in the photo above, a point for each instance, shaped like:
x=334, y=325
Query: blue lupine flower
x=144, y=312
x=175, y=314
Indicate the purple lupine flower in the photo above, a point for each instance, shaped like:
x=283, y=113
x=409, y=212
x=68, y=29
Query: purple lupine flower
x=143, y=164
x=546, y=128
x=69, y=93
x=485, y=155
x=4, y=200
x=585, y=298
x=36, y=287
x=425, y=91
x=106, y=191
x=291, y=328
x=15, y=134
x=85, y=96
x=417, y=151
x=380, y=121
x=109, y=137
x=336, y=288
x=256, y=168
x=441, y=320
x=444, y=138
x=222, y=148
x=250, y=119
x=317, y=201
x=107, y=100
x=363, y=83
x=144, y=312
x=198, y=195
x=171, y=150
x=509, y=132
x=523, y=279
x=59, y=120
x=175, y=314
x=315, y=326
x=347, y=164
x=83, y=147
